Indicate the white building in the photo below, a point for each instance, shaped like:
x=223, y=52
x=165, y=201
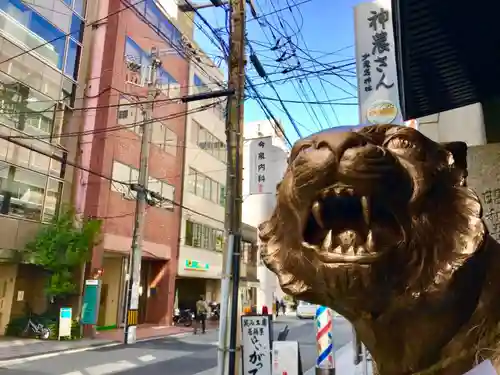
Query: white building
x=202, y=230
x=258, y=207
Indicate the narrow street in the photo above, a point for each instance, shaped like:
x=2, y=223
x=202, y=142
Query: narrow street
x=187, y=355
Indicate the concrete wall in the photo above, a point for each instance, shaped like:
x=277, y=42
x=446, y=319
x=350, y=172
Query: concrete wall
x=464, y=124
x=484, y=179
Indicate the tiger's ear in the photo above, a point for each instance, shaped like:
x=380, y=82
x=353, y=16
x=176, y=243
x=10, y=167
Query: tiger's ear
x=458, y=159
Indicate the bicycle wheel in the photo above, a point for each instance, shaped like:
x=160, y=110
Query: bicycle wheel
x=45, y=333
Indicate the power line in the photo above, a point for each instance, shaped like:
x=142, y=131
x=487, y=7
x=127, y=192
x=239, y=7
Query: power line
x=267, y=112
x=121, y=127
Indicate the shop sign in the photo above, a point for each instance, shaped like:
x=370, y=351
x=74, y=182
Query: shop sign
x=256, y=340
x=261, y=179
x=195, y=265
x=376, y=64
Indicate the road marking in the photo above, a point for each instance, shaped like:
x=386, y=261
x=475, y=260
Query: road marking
x=210, y=371
x=74, y=373
x=147, y=358
x=18, y=361
x=37, y=357
x=108, y=368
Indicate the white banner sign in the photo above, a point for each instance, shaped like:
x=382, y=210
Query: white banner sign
x=484, y=368
x=376, y=64
x=261, y=179
x=256, y=340
x=285, y=358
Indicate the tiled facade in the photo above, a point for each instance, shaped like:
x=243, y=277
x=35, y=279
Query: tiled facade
x=115, y=151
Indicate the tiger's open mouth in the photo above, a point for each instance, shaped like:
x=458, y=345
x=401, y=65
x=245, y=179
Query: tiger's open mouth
x=340, y=225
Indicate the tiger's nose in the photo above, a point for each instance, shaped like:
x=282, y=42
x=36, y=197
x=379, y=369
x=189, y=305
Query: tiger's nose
x=339, y=143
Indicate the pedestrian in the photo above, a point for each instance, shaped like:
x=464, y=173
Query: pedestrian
x=201, y=314
x=277, y=305
x=283, y=307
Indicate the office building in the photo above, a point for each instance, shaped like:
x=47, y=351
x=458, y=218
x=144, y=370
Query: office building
x=39, y=70
x=118, y=77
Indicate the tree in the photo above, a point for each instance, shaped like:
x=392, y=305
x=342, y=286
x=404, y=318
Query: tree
x=61, y=248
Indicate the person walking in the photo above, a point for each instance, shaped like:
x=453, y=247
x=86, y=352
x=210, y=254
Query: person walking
x=201, y=314
x=277, y=305
x=283, y=307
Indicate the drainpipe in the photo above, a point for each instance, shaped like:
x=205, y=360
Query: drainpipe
x=96, y=43
x=183, y=171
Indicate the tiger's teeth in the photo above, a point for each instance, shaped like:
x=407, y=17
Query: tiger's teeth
x=327, y=242
x=366, y=210
x=316, y=212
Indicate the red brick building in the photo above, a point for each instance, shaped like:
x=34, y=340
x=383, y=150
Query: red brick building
x=111, y=147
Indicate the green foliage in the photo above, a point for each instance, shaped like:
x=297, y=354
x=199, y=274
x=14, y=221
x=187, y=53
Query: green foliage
x=61, y=248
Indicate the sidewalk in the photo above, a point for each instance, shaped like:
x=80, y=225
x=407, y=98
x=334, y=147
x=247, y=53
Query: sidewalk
x=344, y=363
x=14, y=348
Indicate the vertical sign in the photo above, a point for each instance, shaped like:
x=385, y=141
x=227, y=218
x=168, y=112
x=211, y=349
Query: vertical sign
x=65, y=316
x=376, y=63
x=256, y=340
x=90, y=302
x=261, y=181
x=286, y=358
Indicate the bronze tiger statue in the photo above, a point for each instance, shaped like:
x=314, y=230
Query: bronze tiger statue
x=379, y=225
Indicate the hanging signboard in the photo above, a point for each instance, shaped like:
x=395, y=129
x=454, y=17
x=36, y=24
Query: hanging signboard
x=261, y=180
x=376, y=64
x=256, y=341
x=378, y=89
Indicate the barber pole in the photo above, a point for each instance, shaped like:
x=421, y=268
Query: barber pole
x=325, y=363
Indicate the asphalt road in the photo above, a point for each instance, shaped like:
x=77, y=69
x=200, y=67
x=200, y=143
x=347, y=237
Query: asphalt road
x=187, y=355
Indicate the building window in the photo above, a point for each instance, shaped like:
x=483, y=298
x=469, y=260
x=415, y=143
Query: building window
x=27, y=194
x=205, y=187
x=167, y=84
x=208, y=142
x=248, y=253
x=164, y=138
x=125, y=173
x=29, y=29
x=165, y=190
x=130, y=115
x=159, y=22
x=72, y=59
x=137, y=62
x=77, y=27
x=204, y=236
x=38, y=112
x=199, y=84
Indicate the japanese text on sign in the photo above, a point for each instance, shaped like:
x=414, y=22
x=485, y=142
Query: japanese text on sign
x=380, y=45
x=491, y=206
x=261, y=164
x=256, y=345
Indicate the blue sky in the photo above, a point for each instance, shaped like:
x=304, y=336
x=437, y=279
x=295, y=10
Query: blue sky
x=321, y=36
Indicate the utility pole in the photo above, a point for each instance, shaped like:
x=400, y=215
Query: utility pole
x=131, y=318
x=228, y=361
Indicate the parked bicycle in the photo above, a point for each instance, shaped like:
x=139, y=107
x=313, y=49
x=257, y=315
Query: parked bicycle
x=37, y=330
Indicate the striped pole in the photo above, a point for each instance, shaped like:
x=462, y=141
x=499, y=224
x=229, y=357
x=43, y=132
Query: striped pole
x=325, y=363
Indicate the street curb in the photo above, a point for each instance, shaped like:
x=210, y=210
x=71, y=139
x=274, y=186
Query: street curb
x=53, y=353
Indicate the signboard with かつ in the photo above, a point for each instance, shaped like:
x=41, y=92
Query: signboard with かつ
x=256, y=340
